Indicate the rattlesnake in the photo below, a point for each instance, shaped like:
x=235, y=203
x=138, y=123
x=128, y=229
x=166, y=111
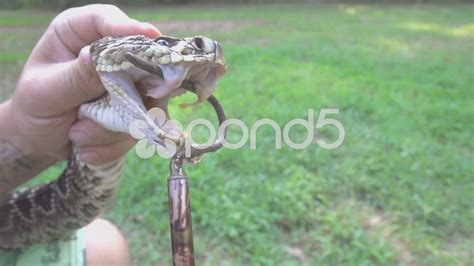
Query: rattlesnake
x=51, y=211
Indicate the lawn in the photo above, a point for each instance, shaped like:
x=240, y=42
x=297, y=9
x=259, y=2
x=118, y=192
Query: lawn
x=398, y=191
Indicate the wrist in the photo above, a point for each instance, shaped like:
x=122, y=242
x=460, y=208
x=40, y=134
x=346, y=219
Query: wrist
x=18, y=162
x=11, y=131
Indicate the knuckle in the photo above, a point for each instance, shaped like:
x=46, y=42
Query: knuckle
x=107, y=26
x=61, y=17
x=110, y=7
x=95, y=8
x=27, y=90
x=105, y=11
x=28, y=81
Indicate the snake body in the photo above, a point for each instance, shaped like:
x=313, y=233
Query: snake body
x=51, y=211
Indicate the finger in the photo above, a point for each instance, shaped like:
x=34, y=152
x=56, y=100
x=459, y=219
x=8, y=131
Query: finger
x=104, y=154
x=78, y=27
x=86, y=132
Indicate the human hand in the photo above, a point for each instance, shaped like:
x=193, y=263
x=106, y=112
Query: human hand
x=58, y=77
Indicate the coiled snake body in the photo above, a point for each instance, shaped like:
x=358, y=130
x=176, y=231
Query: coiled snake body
x=51, y=211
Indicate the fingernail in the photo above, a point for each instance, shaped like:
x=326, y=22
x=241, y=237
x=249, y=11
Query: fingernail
x=151, y=26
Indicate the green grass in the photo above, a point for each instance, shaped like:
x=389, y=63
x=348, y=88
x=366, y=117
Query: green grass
x=399, y=191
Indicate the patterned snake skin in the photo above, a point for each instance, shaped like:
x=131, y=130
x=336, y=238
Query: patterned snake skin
x=52, y=211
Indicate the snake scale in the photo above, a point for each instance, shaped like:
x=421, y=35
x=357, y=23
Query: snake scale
x=124, y=63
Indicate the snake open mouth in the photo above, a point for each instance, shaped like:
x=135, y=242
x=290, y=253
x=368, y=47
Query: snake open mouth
x=153, y=86
x=166, y=78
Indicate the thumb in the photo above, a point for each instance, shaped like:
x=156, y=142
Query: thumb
x=84, y=82
x=69, y=84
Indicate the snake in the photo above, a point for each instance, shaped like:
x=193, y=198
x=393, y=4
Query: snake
x=138, y=73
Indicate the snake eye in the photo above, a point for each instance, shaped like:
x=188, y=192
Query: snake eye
x=198, y=42
x=163, y=42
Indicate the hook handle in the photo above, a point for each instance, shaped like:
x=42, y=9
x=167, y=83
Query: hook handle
x=180, y=216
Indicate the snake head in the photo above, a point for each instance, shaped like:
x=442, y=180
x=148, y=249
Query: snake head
x=198, y=60
x=140, y=73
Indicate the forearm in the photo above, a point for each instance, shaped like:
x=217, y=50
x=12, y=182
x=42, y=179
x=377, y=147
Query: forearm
x=18, y=163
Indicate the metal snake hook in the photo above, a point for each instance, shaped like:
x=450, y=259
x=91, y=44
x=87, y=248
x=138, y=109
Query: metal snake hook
x=179, y=200
x=178, y=197
x=178, y=182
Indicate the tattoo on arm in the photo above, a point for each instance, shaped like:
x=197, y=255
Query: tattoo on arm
x=15, y=167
